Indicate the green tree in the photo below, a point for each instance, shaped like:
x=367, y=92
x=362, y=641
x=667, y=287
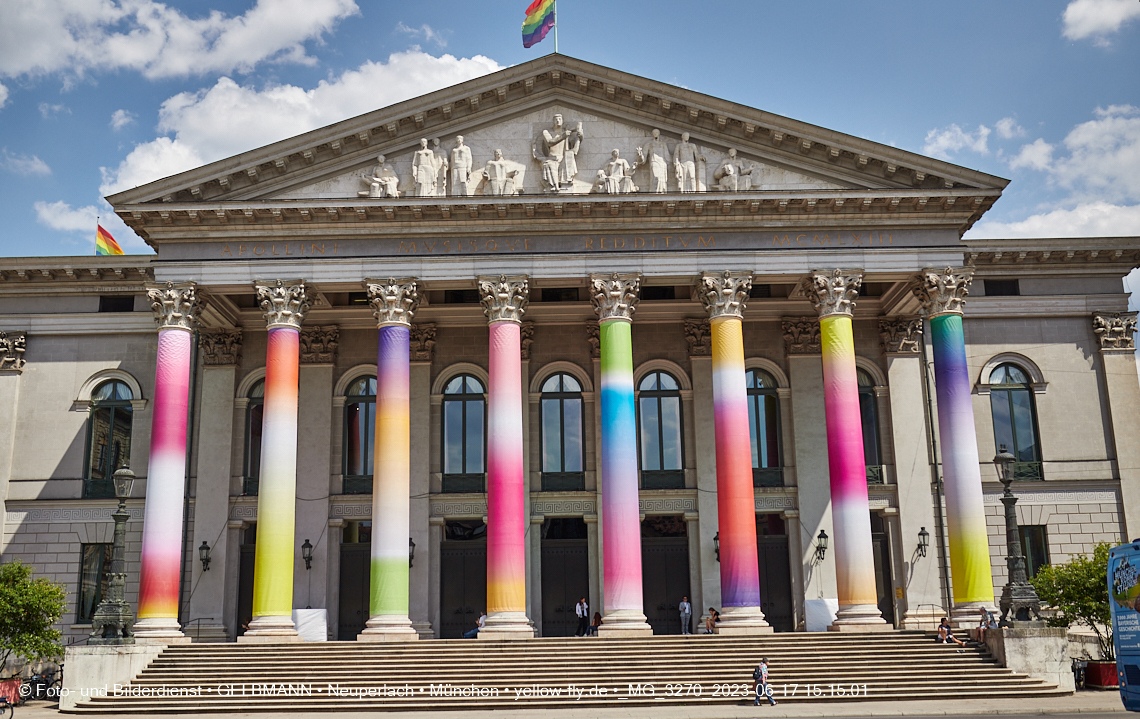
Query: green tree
x=28, y=610
x=1079, y=592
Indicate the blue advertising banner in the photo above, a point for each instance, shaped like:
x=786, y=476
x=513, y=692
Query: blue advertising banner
x=1124, y=590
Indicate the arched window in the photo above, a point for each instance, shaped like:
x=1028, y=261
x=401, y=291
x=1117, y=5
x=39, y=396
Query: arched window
x=764, y=429
x=562, y=467
x=464, y=417
x=659, y=420
x=359, y=435
x=108, y=437
x=869, y=413
x=254, y=413
x=1015, y=419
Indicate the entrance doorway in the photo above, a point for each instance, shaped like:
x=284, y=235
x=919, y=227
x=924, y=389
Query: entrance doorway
x=463, y=577
x=565, y=574
x=881, y=548
x=775, y=571
x=664, y=571
x=245, y=578
x=355, y=579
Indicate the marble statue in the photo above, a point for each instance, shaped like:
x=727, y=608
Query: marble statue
x=686, y=157
x=424, y=171
x=655, y=154
x=461, y=166
x=500, y=178
x=557, y=150
x=732, y=175
x=618, y=176
x=440, y=167
x=382, y=181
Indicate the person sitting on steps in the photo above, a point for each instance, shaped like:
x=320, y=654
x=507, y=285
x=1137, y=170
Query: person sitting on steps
x=946, y=634
x=473, y=633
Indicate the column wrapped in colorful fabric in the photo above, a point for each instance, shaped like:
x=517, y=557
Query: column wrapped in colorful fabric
x=833, y=294
x=615, y=300
x=943, y=294
x=724, y=296
x=504, y=301
x=284, y=304
x=176, y=307
x=394, y=304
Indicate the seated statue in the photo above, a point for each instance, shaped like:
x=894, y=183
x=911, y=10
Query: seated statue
x=382, y=181
x=618, y=176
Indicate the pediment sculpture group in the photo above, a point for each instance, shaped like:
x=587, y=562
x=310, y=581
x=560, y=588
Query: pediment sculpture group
x=438, y=173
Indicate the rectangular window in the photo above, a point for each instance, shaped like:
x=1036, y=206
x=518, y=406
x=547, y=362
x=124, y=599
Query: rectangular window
x=1035, y=547
x=1001, y=288
x=94, y=573
x=559, y=294
x=760, y=292
x=116, y=303
x=658, y=292
x=461, y=297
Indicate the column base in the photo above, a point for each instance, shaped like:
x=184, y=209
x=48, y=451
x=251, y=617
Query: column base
x=740, y=621
x=859, y=618
x=159, y=630
x=964, y=615
x=424, y=630
x=506, y=625
x=270, y=630
x=624, y=623
x=388, y=628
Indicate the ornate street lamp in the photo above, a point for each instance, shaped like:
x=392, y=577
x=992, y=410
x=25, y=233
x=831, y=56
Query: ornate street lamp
x=114, y=619
x=1018, y=598
x=716, y=545
x=821, y=545
x=411, y=551
x=923, y=541
x=204, y=556
x=307, y=554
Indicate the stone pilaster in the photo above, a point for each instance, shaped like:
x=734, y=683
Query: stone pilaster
x=12, y=348
x=801, y=335
x=220, y=348
x=1115, y=330
x=698, y=335
x=900, y=335
x=592, y=338
x=423, y=342
x=319, y=344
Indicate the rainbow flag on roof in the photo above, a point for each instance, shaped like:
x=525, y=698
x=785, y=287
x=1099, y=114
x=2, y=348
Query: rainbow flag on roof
x=539, y=20
x=105, y=244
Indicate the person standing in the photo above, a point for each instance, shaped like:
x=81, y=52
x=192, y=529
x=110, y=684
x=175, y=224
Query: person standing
x=760, y=676
x=583, y=611
x=686, y=611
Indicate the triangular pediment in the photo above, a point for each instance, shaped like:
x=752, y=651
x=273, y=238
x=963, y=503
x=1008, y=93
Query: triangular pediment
x=508, y=110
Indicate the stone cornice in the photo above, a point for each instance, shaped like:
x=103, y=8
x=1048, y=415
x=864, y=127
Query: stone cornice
x=126, y=271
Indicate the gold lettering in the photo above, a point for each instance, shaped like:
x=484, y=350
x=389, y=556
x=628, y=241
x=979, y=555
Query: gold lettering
x=638, y=243
x=334, y=248
x=825, y=241
x=287, y=250
x=447, y=245
x=710, y=243
x=259, y=250
x=474, y=247
x=273, y=250
x=777, y=241
x=858, y=239
x=526, y=244
x=513, y=245
x=429, y=247
x=684, y=242
x=617, y=240
x=655, y=242
x=313, y=249
x=491, y=245
x=890, y=239
x=667, y=238
x=798, y=240
x=241, y=250
x=407, y=248
x=226, y=251
x=602, y=243
x=589, y=243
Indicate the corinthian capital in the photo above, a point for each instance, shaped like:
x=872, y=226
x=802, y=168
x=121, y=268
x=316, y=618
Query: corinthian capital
x=504, y=298
x=394, y=302
x=943, y=292
x=1114, y=330
x=725, y=294
x=801, y=335
x=220, y=348
x=12, y=346
x=615, y=296
x=833, y=292
x=900, y=335
x=283, y=302
x=175, y=305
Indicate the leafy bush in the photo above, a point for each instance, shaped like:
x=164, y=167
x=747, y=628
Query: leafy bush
x=1079, y=592
x=28, y=610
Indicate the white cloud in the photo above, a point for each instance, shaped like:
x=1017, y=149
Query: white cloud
x=1103, y=156
x=61, y=216
x=47, y=109
x=122, y=118
x=1037, y=155
x=1007, y=128
x=3, y=95
x=1098, y=18
x=23, y=164
x=942, y=143
x=1092, y=219
x=425, y=31
x=228, y=119
x=73, y=37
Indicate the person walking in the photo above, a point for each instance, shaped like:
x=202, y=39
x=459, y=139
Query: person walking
x=760, y=676
x=686, y=611
x=583, y=611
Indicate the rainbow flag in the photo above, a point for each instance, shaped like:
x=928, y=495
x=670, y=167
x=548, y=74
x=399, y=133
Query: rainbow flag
x=105, y=244
x=539, y=20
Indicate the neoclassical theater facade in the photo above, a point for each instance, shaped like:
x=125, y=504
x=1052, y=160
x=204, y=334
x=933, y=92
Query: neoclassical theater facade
x=563, y=332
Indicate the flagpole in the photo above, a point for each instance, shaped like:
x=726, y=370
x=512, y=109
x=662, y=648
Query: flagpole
x=555, y=27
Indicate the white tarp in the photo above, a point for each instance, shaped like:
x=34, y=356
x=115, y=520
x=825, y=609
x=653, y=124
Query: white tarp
x=312, y=624
x=819, y=613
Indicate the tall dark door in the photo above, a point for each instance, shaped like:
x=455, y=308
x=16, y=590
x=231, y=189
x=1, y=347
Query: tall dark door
x=881, y=548
x=355, y=584
x=462, y=586
x=775, y=581
x=245, y=587
x=565, y=580
x=664, y=581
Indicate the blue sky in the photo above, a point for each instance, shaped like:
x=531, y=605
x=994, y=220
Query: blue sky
x=100, y=95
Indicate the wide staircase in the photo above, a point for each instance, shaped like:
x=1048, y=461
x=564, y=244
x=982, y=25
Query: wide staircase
x=560, y=673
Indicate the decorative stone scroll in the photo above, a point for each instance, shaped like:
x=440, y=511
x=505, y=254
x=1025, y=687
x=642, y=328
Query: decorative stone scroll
x=900, y=335
x=1114, y=330
x=698, y=333
x=725, y=294
x=175, y=306
x=615, y=296
x=423, y=342
x=526, y=339
x=394, y=302
x=833, y=292
x=12, y=346
x=220, y=348
x=504, y=298
x=318, y=344
x=594, y=338
x=943, y=292
x=283, y=303
x=801, y=336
